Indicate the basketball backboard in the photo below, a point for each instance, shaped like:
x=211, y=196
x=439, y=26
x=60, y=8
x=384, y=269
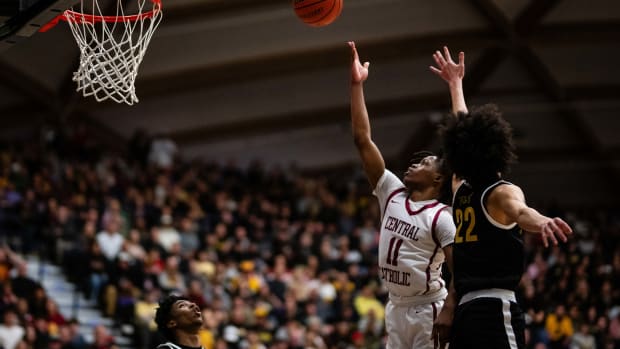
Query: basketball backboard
x=20, y=19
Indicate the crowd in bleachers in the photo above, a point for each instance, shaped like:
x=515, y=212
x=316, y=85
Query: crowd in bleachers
x=275, y=258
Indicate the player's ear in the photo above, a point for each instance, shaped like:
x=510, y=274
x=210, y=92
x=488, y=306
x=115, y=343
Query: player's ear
x=171, y=324
x=438, y=178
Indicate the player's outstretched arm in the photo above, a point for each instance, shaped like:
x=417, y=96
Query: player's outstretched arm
x=372, y=160
x=511, y=201
x=452, y=73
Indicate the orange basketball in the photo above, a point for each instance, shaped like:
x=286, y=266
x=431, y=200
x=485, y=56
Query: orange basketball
x=318, y=13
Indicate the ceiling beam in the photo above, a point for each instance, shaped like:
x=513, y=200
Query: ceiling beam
x=422, y=137
x=427, y=103
x=571, y=114
x=495, y=17
x=567, y=155
x=312, y=60
x=525, y=24
x=591, y=32
x=294, y=121
x=247, y=70
x=477, y=73
x=202, y=10
x=529, y=19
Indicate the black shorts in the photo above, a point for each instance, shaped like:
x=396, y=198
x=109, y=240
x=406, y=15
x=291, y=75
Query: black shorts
x=488, y=323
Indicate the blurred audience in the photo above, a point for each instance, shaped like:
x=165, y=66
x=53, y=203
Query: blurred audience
x=274, y=257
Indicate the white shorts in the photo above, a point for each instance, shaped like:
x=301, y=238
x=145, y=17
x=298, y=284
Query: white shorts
x=410, y=327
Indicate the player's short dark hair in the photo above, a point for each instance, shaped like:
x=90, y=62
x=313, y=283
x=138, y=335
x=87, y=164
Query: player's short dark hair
x=478, y=145
x=163, y=315
x=420, y=155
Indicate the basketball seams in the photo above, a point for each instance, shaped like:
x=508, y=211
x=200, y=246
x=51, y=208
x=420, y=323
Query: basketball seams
x=317, y=8
x=327, y=13
x=308, y=5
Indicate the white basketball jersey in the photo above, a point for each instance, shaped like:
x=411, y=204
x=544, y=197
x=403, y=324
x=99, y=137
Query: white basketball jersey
x=413, y=234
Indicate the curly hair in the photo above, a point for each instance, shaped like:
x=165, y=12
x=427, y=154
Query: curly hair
x=478, y=146
x=163, y=315
x=445, y=193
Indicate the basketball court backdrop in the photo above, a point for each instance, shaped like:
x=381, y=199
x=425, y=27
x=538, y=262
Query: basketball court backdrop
x=224, y=76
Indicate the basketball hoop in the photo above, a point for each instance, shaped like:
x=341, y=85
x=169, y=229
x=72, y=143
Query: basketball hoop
x=111, y=48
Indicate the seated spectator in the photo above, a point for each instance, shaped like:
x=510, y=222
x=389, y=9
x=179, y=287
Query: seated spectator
x=11, y=333
x=102, y=339
x=560, y=328
x=171, y=279
x=583, y=339
x=110, y=239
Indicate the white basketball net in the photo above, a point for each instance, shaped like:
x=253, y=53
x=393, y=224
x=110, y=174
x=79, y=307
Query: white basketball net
x=112, y=48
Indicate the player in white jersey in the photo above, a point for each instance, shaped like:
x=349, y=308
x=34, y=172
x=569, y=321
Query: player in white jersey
x=417, y=231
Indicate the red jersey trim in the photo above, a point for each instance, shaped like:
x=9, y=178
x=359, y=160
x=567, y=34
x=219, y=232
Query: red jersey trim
x=413, y=213
x=437, y=246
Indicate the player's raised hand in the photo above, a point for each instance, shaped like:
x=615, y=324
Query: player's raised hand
x=446, y=68
x=554, y=229
x=359, y=72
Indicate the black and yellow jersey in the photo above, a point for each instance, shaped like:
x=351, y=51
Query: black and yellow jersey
x=487, y=254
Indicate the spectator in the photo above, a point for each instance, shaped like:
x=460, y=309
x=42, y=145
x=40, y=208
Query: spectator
x=162, y=152
x=77, y=341
x=97, y=271
x=133, y=246
x=54, y=316
x=188, y=237
x=145, y=318
x=11, y=333
x=583, y=339
x=102, y=339
x=167, y=235
x=171, y=279
x=560, y=328
x=110, y=240
x=366, y=302
x=22, y=284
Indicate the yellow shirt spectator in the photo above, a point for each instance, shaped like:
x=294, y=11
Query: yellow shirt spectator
x=366, y=301
x=559, y=326
x=206, y=338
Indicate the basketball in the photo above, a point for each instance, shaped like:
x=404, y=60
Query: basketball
x=318, y=13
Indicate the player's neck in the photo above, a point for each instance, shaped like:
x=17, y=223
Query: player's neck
x=423, y=194
x=188, y=339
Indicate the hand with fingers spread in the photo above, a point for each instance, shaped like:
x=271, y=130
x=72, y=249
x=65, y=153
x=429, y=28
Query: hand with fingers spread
x=453, y=74
x=359, y=72
x=553, y=229
x=449, y=71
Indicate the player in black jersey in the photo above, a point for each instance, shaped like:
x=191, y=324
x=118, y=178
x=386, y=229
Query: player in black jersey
x=179, y=321
x=490, y=215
